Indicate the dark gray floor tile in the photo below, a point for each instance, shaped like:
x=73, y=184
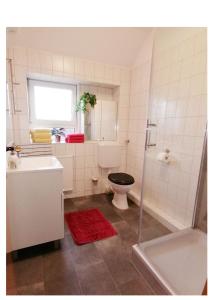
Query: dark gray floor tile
x=69, y=205
x=133, y=223
x=85, y=255
x=11, y=291
x=59, y=274
x=89, y=203
x=66, y=229
x=110, y=214
x=130, y=213
x=109, y=245
x=67, y=242
x=162, y=229
x=117, y=257
x=136, y=287
x=33, y=289
x=85, y=204
x=121, y=268
x=101, y=199
x=100, y=268
x=153, y=232
x=58, y=264
x=148, y=220
x=63, y=286
x=128, y=236
x=11, y=277
x=29, y=271
x=95, y=279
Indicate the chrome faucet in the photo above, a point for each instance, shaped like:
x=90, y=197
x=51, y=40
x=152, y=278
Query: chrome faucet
x=15, y=148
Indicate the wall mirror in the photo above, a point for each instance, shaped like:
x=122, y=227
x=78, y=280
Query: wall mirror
x=100, y=122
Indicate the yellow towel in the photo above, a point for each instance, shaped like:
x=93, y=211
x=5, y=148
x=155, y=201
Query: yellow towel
x=41, y=135
x=37, y=140
x=41, y=131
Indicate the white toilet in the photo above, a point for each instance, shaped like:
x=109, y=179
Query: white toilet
x=109, y=156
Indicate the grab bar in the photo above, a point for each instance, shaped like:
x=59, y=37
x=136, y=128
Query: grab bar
x=148, y=135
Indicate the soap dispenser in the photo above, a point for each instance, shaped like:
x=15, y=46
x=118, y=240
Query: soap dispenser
x=12, y=160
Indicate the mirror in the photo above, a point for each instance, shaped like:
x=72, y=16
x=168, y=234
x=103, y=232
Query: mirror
x=100, y=123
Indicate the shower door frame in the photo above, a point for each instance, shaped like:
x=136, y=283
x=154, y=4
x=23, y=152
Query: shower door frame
x=198, y=191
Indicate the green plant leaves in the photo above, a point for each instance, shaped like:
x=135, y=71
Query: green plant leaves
x=85, y=99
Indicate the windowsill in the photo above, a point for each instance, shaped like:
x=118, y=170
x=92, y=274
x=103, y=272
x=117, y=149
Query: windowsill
x=85, y=142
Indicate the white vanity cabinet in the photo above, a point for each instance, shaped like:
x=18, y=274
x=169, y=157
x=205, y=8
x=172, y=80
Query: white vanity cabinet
x=35, y=202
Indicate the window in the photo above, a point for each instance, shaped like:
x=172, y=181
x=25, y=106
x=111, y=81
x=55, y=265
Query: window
x=52, y=104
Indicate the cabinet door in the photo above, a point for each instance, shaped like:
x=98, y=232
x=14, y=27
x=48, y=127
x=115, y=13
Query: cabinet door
x=35, y=207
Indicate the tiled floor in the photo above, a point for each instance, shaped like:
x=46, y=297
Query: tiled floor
x=100, y=268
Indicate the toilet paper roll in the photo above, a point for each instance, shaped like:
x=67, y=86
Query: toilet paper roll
x=163, y=157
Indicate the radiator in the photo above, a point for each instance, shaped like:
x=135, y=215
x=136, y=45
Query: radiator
x=67, y=162
x=35, y=150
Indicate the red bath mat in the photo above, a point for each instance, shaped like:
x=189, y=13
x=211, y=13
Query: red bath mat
x=88, y=226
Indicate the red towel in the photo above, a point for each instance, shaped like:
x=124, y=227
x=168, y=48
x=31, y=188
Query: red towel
x=75, y=138
x=76, y=135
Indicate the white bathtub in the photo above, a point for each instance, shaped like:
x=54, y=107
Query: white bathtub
x=178, y=261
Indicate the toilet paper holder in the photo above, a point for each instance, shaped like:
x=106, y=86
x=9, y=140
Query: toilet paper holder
x=164, y=156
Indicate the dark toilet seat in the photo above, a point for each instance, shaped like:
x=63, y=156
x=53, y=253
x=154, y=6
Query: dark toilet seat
x=121, y=178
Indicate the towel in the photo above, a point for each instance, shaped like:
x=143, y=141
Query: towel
x=40, y=135
x=41, y=131
x=75, y=138
x=38, y=140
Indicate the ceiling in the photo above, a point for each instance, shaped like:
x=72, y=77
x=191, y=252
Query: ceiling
x=112, y=45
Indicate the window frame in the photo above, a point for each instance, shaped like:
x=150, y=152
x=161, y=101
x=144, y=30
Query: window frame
x=31, y=83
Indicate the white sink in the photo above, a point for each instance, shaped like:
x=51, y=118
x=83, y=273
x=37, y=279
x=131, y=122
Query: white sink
x=35, y=164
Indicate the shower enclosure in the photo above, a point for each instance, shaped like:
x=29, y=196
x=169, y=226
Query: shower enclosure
x=177, y=263
x=174, y=183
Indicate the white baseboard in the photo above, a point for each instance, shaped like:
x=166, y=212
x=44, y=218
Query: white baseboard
x=171, y=224
x=134, y=197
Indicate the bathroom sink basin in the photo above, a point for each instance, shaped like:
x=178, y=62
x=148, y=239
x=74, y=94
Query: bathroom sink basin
x=33, y=164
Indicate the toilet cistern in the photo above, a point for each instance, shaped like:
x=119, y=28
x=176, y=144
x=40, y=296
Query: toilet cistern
x=109, y=156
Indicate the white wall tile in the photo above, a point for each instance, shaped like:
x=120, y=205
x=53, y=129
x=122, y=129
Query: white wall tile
x=182, y=128
x=98, y=71
x=80, y=149
x=20, y=90
x=80, y=162
x=70, y=149
x=33, y=59
x=46, y=61
x=30, y=61
x=57, y=63
x=19, y=73
x=68, y=65
x=20, y=56
x=89, y=70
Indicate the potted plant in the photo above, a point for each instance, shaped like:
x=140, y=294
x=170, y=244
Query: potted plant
x=86, y=101
x=58, y=132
